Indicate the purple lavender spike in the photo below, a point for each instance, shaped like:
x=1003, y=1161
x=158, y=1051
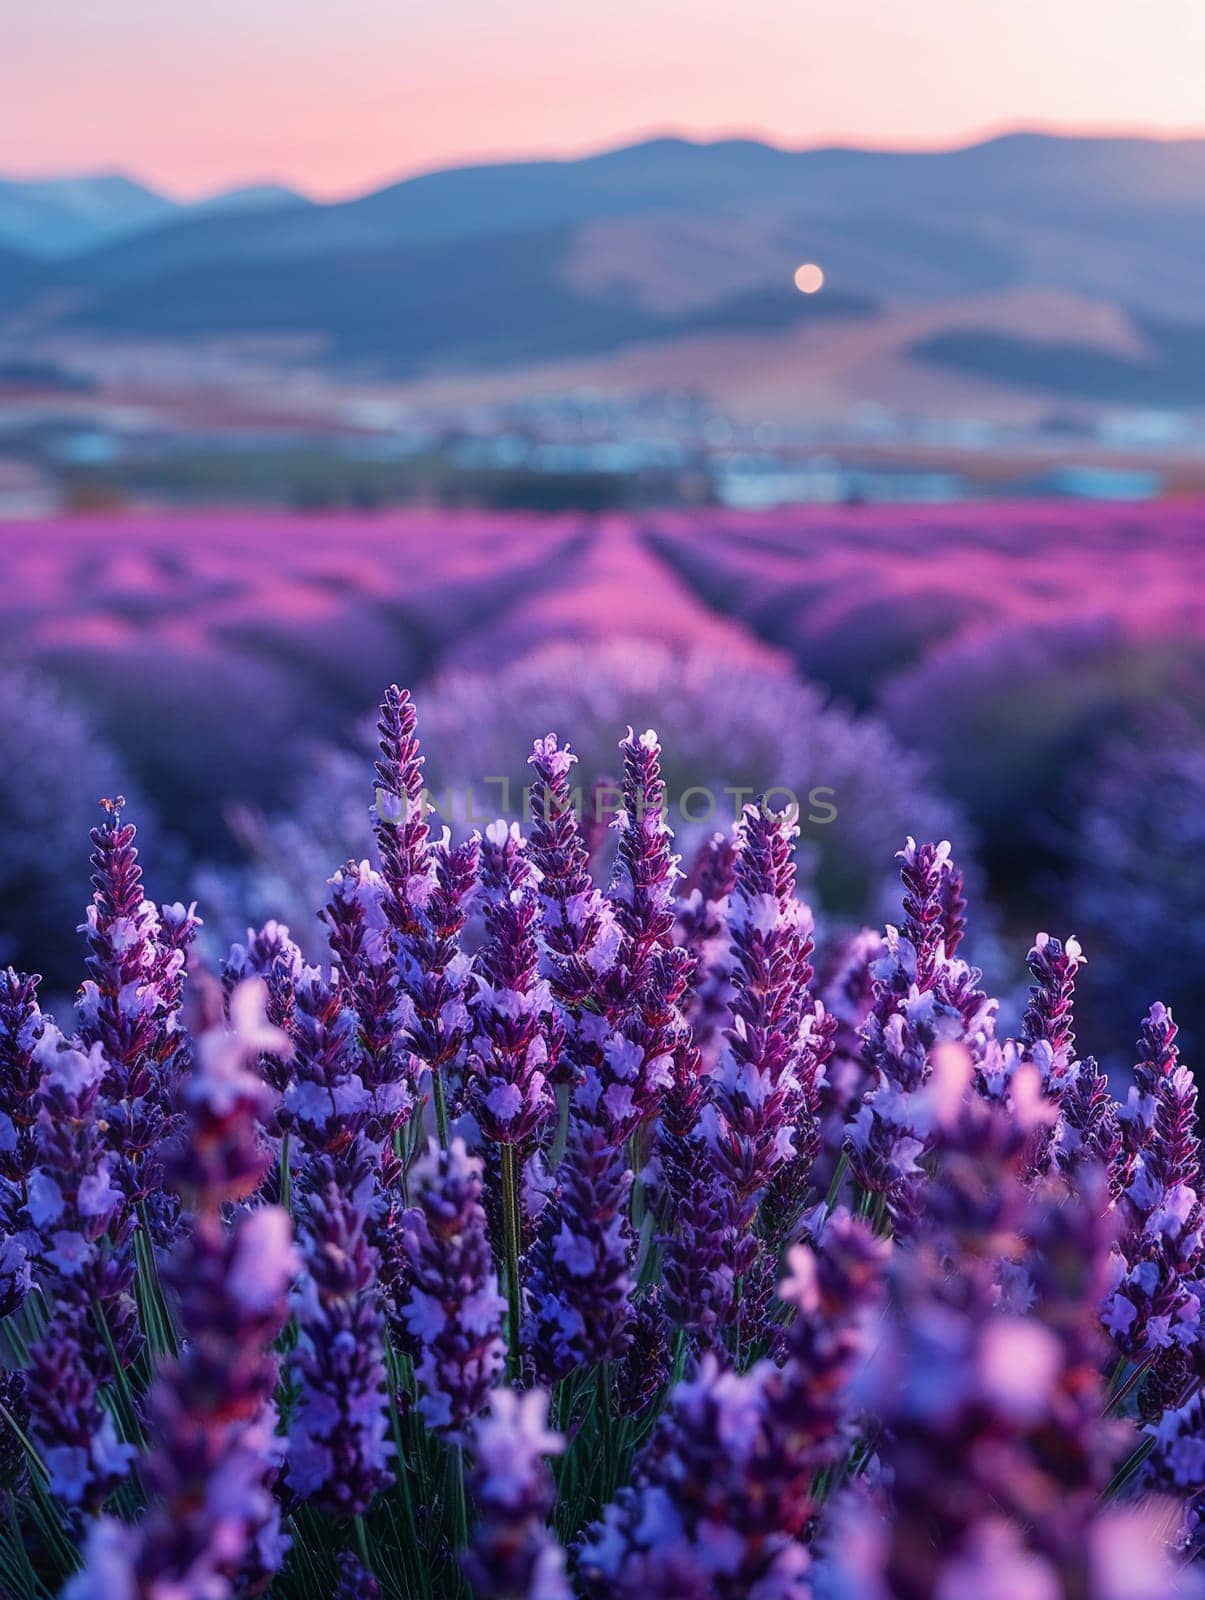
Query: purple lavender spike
x=21, y=1027
x=399, y=815
x=766, y=1082
x=579, y=929
x=338, y=1452
x=272, y=955
x=354, y=1581
x=212, y=1524
x=1049, y=1016
x=723, y=1491
x=924, y=997
x=516, y=1035
x=1154, y=1308
x=451, y=1310
x=580, y=1271
x=512, y=1555
x=360, y=942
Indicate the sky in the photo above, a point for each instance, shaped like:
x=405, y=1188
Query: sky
x=336, y=96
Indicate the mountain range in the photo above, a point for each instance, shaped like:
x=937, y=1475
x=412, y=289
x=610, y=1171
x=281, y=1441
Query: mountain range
x=1054, y=266
x=50, y=218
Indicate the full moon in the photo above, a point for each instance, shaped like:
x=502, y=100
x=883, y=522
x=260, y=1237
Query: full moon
x=808, y=278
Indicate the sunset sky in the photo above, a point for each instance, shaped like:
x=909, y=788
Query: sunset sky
x=197, y=94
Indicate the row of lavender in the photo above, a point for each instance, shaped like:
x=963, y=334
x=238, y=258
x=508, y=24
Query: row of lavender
x=556, y=1240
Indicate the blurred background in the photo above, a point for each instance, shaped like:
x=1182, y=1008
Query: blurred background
x=827, y=390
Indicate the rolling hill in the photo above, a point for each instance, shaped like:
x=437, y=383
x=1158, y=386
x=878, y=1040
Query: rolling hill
x=673, y=243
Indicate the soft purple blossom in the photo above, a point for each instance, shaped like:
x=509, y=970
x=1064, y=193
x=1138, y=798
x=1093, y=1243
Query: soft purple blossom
x=21, y=1027
x=516, y=1034
x=339, y=1452
x=761, y=1126
x=450, y=1309
x=580, y=934
x=74, y=1434
x=1049, y=1017
x=1154, y=1309
x=354, y=1582
x=211, y=1528
x=511, y=1554
x=580, y=1269
x=924, y=996
x=272, y=955
x=723, y=1490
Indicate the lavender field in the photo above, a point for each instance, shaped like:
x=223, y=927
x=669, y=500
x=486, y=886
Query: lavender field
x=611, y=1199
x=1013, y=677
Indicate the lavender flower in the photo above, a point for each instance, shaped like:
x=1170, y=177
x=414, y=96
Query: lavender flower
x=710, y=1256
x=74, y=1207
x=21, y=1027
x=359, y=936
x=354, y=1582
x=435, y=972
x=1155, y=1304
x=580, y=1271
x=703, y=931
x=1175, y=1468
x=579, y=927
x=1089, y=1129
x=723, y=1489
x=399, y=815
x=924, y=996
x=515, y=1034
x=512, y=1555
x=272, y=955
x=643, y=989
x=1048, y=1020
x=338, y=1452
x=129, y=1003
x=451, y=1310
x=75, y=1435
x=212, y=1527
x=646, y=869
x=645, y=1369
x=766, y=1082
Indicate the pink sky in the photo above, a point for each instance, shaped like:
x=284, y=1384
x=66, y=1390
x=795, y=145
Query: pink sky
x=197, y=94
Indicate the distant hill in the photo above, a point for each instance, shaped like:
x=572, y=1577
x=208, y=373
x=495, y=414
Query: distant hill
x=63, y=216
x=517, y=263
x=1168, y=372
x=57, y=218
x=20, y=276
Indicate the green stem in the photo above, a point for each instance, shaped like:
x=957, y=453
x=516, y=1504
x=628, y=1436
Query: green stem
x=286, y=1187
x=403, y=1472
x=636, y=1198
x=362, y=1544
x=26, y=1444
x=1135, y=1377
x=510, y=1230
x=557, y=1153
x=834, y=1188
x=46, y=1511
x=679, y=1357
x=441, y=1109
x=148, y=1274
x=459, y=1504
x=125, y=1398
